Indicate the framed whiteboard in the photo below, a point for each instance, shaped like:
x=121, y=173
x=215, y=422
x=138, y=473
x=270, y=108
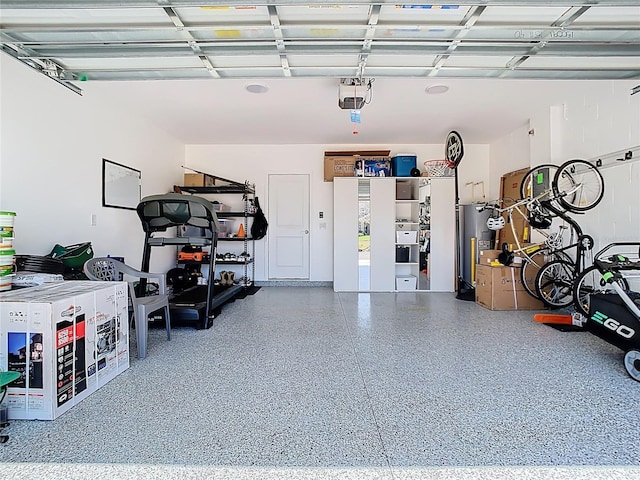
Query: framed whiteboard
x=120, y=185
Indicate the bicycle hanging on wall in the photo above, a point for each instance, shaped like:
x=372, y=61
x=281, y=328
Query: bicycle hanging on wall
x=549, y=192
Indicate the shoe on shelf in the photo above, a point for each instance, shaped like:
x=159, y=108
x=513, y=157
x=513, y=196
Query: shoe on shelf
x=230, y=280
x=223, y=278
x=244, y=257
x=230, y=257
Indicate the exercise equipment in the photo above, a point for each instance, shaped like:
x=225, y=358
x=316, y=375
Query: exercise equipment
x=158, y=213
x=615, y=317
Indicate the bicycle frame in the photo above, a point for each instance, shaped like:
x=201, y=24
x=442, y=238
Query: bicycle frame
x=527, y=251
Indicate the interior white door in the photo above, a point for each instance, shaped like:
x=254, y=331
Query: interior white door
x=288, y=226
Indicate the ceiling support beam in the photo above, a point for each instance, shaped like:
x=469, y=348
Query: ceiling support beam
x=623, y=26
x=90, y=4
x=277, y=33
x=374, y=17
x=467, y=22
x=566, y=19
x=191, y=40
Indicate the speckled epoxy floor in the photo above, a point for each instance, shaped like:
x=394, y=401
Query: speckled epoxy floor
x=306, y=383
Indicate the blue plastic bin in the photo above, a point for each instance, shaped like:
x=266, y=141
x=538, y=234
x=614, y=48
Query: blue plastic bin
x=401, y=165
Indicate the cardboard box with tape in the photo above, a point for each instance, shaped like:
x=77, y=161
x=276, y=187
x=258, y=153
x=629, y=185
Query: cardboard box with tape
x=198, y=180
x=500, y=288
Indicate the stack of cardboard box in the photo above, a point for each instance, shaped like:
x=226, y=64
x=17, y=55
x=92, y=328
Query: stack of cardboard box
x=66, y=340
x=499, y=287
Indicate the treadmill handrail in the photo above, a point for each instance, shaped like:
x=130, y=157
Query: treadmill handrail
x=160, y=212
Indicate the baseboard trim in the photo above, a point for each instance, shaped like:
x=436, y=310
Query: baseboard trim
x=293, y=283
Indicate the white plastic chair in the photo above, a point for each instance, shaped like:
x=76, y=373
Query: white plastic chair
x=108, y=269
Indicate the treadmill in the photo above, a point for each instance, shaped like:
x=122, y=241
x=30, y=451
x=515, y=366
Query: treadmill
x=198, y=303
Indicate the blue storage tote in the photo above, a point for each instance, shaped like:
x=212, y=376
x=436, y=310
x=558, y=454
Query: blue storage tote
x=402, y=164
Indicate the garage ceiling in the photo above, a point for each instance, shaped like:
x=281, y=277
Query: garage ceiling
x=73, y=41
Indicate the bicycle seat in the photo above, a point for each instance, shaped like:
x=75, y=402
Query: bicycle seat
x=537, y=220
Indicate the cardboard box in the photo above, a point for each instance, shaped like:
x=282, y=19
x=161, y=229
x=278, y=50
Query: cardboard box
x=489, y=256
x=372, y=166
x=500, y=288
x=67, y=340
x=198, y=180
x=510, y=191
x=406, y=282
x=338, y=166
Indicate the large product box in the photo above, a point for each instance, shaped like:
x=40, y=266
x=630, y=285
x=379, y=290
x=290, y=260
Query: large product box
x=402, y=164
x=500, y=288
x=198, y=180
x=66, y=340
x=372, y=166
x=509, y=193
x=338, y=166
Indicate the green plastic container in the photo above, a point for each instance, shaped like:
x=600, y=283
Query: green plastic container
x=72, y=256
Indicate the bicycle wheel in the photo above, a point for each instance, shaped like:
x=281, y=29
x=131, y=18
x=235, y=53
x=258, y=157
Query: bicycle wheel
x=587, y=284
x=530, y=268
x=554, y=284
x=578, y=185
x=537, y=180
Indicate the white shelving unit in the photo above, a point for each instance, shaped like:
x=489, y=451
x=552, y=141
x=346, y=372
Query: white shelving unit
x=407, y=229
x=396, y=207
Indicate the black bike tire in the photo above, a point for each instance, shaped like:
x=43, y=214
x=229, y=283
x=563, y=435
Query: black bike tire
x=542, y=283
x=531, y=289
x=565, y=172
x=525, y=178
x=578, y=301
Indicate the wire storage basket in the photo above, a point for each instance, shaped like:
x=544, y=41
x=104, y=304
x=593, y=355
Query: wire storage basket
x=437, y=168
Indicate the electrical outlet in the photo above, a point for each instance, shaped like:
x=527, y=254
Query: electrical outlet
x=92, y=220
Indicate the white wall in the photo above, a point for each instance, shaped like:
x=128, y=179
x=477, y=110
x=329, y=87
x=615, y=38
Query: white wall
x=592, y=121
x=256, y=162
x=508, y=154
x=53, y=143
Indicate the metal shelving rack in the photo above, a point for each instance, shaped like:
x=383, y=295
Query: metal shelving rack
x=230, y=187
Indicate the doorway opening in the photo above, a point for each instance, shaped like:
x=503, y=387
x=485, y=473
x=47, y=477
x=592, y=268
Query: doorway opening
x=364, y=235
